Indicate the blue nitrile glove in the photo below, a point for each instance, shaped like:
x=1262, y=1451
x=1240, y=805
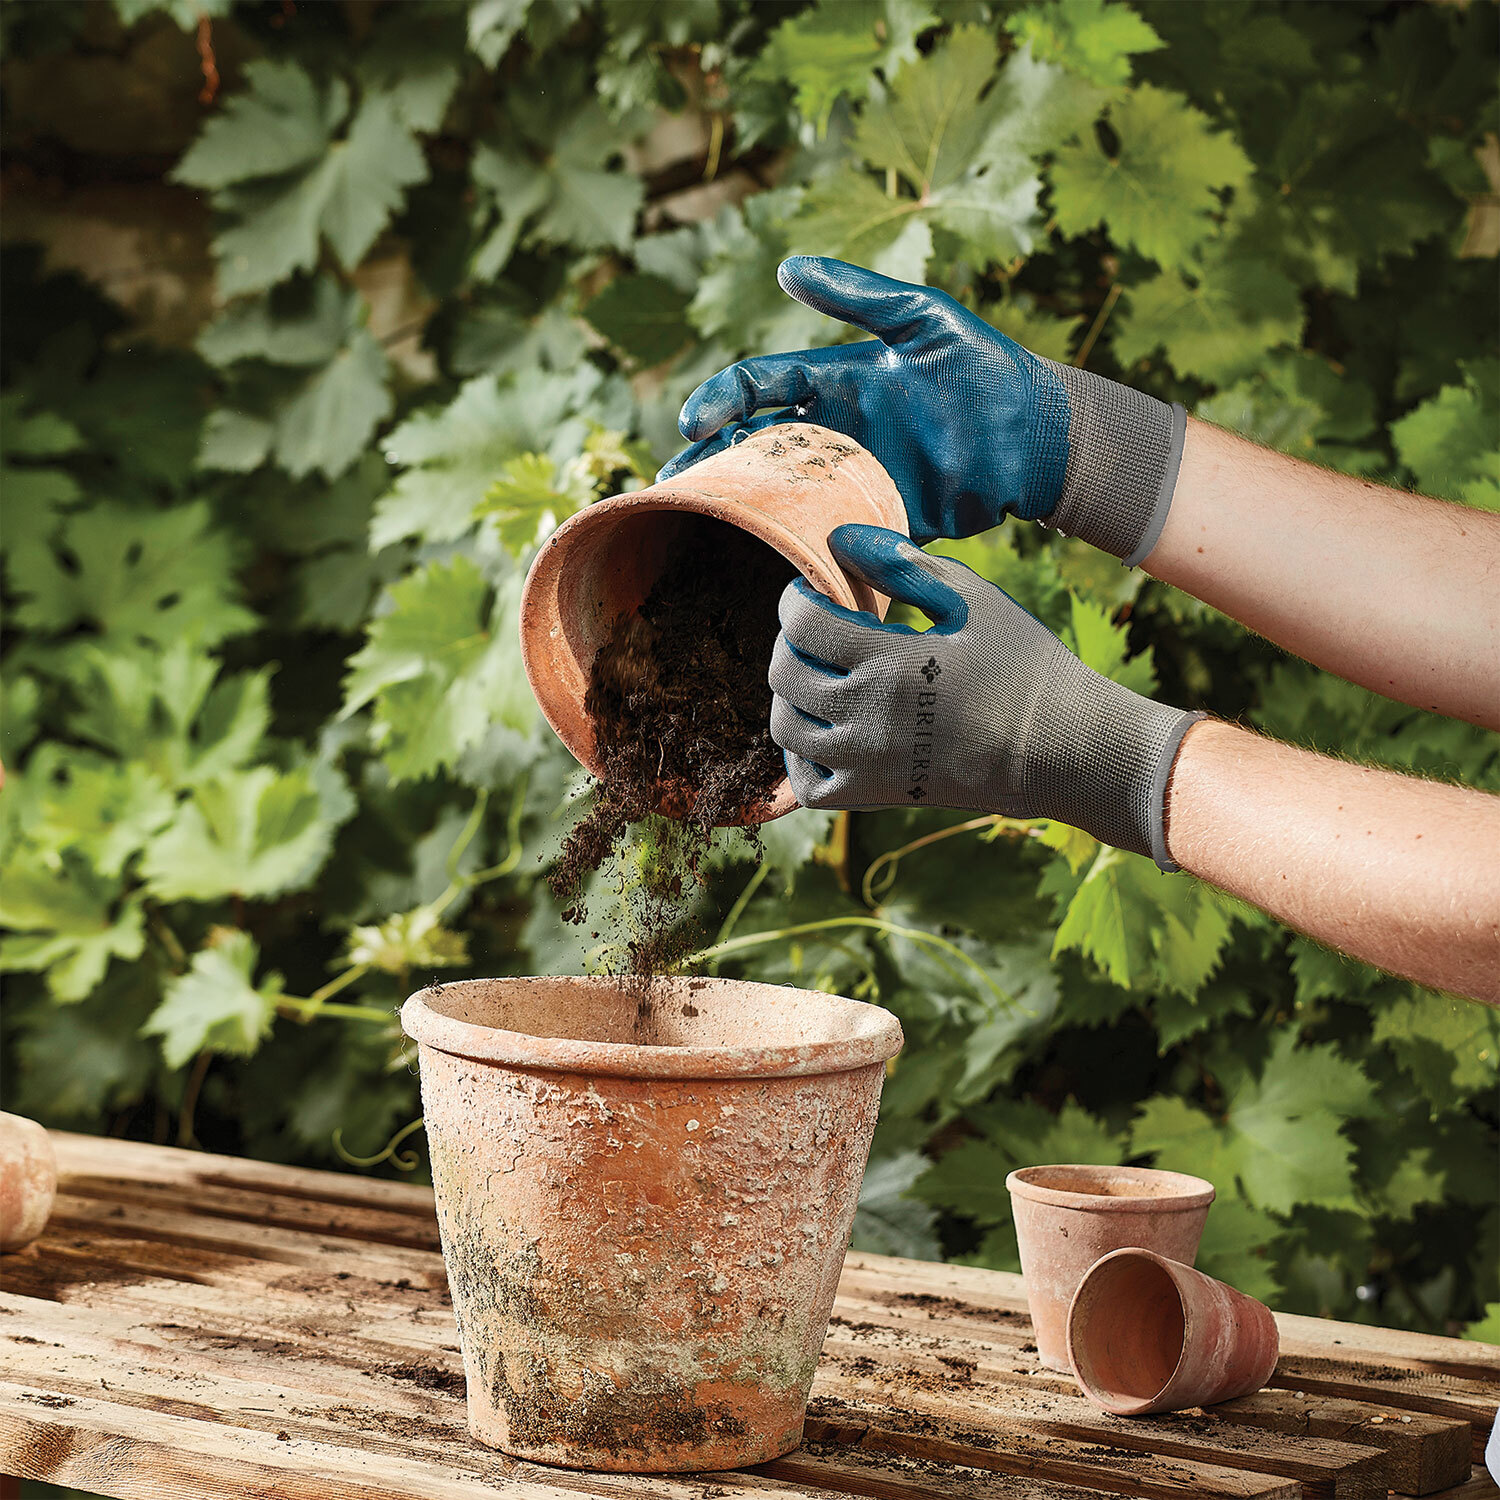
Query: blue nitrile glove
x=970, y=425
x=987, y=710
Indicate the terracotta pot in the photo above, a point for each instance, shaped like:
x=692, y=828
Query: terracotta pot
x=28, y=1180
x=1149, y=1334
x=644, y=1198
x=789, y=485
x=1068, y=1216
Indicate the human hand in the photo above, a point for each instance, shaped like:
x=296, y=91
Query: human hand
x=969, y=425
x=986, y=710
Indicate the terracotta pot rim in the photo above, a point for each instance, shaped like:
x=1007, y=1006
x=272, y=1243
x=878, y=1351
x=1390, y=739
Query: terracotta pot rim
x=1167, y=1192
x=876, y=1038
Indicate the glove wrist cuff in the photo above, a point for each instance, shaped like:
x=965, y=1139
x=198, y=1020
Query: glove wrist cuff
x=1111, y=755
x=1124, y=451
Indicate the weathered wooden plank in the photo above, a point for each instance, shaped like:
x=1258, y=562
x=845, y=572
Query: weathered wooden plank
x=1413, y=1379
x=888, y=1476
x=1479, y=1486
x=1120, y=1471
x=1424, y=1453
x=1323, y=1470
x=144, y=1455
x=134, y=1161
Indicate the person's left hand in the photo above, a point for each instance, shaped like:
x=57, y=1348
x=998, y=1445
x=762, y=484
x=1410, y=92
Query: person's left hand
x=986, y=710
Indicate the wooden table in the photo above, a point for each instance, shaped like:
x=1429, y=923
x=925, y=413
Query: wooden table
x=197, y=1325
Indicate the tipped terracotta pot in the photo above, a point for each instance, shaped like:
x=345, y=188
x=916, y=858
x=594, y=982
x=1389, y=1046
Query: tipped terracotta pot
x=1068, y=1216
x=790, y=485
x=644, y=1197
x=28, y=1180
x=1149, y=1334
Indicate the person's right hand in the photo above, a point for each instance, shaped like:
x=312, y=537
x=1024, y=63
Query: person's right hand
x=969, y=425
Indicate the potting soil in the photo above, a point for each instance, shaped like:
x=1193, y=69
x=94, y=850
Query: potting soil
x=681, y=713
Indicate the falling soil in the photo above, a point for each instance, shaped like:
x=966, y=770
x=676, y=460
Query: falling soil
x=681, y=715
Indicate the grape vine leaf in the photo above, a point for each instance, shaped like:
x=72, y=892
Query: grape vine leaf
x=642, y=316
x=440, y=666
x=962, y=147
x=300, y=324
x=1102, y=644
x=68, y=920
x=409, y=940
x=217, y=1004
x=281, y=121
x=1450, y=441
x=170, y=709
x=135, y=575
x=531, y=493
x=1235, y=1243
x=1090, y=38
x=284, y=204
x=888, y=1219
x=327, y=425
x=833, y=49
x=256, y=832
x=1142, y=927
x=1216, y=323
x=1450, y=1047
x=1302, y=1094
x=106, y=810
x=453, y=455
x=1156, y=194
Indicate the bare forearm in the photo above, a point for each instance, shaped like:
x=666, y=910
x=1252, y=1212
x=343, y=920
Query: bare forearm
x=1402, y=873
x=1395, y=592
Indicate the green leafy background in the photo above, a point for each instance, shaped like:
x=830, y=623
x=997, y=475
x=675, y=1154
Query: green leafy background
x=302, y=360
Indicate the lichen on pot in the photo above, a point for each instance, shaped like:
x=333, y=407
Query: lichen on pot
x=643, y=1241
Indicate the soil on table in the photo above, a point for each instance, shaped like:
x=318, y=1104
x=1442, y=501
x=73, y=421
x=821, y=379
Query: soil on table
x=681, y=712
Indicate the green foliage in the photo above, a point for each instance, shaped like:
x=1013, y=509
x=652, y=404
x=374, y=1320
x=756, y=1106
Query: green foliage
x=271, y=759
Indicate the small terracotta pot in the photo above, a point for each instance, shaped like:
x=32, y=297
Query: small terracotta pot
x=1148, y=1334
x=790, y=485
x=1068, y=1216
x=644, y=1198
x=28, y=1180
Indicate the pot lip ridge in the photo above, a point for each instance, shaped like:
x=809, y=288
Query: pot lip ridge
x=878, y=1039
x=1165, y=1192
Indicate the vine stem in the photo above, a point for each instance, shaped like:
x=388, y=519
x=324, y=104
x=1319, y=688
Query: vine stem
x=893, y=857
x=190, y=1092
x=738, y=909
x=405, y=1161
x=830, y=924
x=1097, y=326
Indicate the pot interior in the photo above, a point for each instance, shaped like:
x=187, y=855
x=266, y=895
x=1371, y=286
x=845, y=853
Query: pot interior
x=1130, y=1340
x=617, y=1025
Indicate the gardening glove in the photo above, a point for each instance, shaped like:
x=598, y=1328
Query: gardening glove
x=986, y=710
x=970, y=425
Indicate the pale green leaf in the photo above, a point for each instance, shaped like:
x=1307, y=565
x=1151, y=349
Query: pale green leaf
x=68, y=921
x=217, y=1005
x=137, y=575
x=1218, y=324
x=1157, y=193
x=833, y=49
x=279, y=123
x=328, y=424
x=1091, y=38
x=409, y=940
x=888, y=1220
x=248, y=833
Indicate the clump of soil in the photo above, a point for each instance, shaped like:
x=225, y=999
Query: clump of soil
x=681, y=712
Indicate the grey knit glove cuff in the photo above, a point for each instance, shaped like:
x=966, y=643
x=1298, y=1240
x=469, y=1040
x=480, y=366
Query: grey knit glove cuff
x=988, y=710
x=1124, y=450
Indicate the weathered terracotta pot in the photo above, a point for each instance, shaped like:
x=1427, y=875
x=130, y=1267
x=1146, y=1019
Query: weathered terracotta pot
x=1149, y=1334
x=644, y=1198
x=1068, y=1216
x=790, y=485
x=28, y=1180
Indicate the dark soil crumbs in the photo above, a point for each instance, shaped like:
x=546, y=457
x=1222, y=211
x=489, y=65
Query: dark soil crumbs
x=681, y=711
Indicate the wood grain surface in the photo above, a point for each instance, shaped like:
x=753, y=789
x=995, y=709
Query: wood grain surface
x=202, y=1326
